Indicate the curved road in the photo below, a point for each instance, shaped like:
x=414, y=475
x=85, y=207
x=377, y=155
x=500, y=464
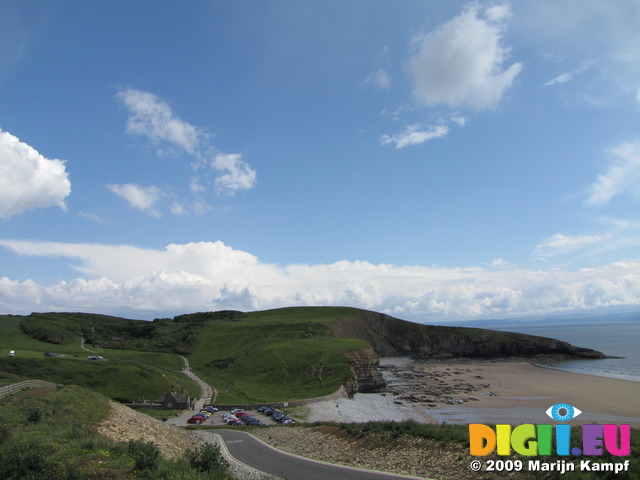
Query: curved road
x=251, y=451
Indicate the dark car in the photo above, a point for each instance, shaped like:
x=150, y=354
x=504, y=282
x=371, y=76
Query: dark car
x=49, y=354
x=233, y=422
x=211, y=409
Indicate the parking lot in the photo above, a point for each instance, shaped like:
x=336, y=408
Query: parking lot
x=216, y=419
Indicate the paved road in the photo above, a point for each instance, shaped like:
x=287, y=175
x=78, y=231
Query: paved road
x=206, y=391
x=249, y=450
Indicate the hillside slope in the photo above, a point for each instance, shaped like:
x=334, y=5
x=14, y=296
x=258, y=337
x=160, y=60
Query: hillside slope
x=290, y=353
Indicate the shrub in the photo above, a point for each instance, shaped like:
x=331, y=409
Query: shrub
x=207, y=458
x=145, y=455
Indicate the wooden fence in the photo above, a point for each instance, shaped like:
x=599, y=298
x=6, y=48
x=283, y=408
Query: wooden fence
x=16, y=387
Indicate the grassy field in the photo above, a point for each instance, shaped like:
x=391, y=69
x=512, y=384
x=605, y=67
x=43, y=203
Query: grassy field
x=124, y=375
x=49, y=434
x=274, y=355
x=122, y=380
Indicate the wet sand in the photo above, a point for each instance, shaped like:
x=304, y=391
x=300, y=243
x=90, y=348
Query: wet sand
x=510, y=392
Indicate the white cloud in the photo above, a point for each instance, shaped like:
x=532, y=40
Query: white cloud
x=140, y=198
x=563, y=78
x=93, y=217
x=381, y=79
x=211, y=275
x=415, y=135
x=460, y=63
x=567, y=30
x=567, y=77
x=28, y=180
x=152, y=117
x=561, y=244
x=238, y=174
x=622, y=177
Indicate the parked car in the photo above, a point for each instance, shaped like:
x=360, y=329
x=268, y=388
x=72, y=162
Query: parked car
x=196, y=420
x=229, y=416
x=95, y=357
x=49, y=354
x=288, y=421
x=211, y=409
x=233, y=422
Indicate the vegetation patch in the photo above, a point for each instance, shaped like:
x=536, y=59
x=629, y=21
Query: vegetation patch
x=123, y=380
x=51, y=435
x=275, y=355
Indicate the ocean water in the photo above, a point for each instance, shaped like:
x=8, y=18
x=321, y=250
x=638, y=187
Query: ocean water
x=621, y=339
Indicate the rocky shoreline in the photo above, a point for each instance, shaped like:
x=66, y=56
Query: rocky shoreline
x=420, y=383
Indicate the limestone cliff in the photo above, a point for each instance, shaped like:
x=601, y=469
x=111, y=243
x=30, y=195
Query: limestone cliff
x=390, y=336
x=364, y=366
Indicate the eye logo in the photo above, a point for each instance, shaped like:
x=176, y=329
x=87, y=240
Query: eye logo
x=563, y=412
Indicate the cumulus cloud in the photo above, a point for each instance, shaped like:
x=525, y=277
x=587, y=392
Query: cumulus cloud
x=152, y=117
x=460, y=63
x=415, y=135
x=28, y=180
x=212, y=275
x=138, y=197
x=621, y=179
x=238, y=175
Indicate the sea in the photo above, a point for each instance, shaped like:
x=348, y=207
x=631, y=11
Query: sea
x=621, y=339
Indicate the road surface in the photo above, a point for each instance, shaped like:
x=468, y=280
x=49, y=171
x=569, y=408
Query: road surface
x=251, y=451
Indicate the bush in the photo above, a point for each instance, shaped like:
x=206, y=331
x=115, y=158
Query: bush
x=207, y=458
x=145, y=455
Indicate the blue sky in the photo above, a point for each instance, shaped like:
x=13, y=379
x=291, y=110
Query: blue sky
x=429, y=159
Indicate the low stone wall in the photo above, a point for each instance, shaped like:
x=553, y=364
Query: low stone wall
x=16, y=387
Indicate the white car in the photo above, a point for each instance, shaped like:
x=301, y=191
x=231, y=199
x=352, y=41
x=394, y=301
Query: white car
x=229, y=416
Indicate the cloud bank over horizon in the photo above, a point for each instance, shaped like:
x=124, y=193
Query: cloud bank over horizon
x=213, y=276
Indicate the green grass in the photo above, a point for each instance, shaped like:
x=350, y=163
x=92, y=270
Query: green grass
x=275, y=355
x=123, y=380
x=50, y=435
x=126, y=375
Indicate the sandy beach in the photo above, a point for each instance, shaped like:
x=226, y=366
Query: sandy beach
x=485, y=392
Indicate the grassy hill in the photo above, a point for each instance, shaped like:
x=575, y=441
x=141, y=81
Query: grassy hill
x=51, y=435
x=275, y=355
x=265, y=356
x=125, y=374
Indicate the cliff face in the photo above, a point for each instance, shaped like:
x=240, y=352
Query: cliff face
x=390, y=336
x=364, y=366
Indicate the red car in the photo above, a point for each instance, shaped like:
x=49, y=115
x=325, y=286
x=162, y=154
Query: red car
x=197, y=420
